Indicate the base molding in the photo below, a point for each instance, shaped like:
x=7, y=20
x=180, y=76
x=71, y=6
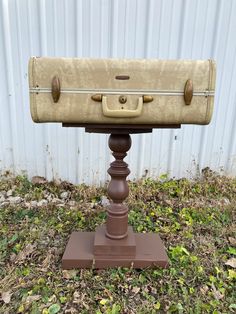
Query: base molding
x=79, y=252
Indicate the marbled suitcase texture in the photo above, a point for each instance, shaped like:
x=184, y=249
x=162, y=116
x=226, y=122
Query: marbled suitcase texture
x=99, y=76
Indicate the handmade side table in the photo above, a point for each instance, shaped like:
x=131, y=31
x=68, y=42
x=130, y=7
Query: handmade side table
x=116, y=244
x=119, y=97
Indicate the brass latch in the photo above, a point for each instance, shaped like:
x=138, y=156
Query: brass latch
x=97, y=97
x=147, y=98
x=122, y=99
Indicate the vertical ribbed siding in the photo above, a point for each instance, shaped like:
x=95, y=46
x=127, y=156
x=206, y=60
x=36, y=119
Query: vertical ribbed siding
x=119, y=28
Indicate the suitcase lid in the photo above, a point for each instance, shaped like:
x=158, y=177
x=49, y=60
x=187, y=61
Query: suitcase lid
x=122, y=76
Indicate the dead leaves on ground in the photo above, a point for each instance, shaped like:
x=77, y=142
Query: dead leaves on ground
x=25, y=253
x=6, y=296
x=231, y=262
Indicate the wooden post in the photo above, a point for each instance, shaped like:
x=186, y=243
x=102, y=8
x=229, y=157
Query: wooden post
x=118, y=189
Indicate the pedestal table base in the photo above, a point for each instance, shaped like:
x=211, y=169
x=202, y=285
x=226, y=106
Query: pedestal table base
x=79, y=253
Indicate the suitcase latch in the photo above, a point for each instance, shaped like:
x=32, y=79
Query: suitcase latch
x=122, y=99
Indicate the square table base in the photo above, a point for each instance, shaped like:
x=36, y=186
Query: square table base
x=123, y=248
x=79, y=253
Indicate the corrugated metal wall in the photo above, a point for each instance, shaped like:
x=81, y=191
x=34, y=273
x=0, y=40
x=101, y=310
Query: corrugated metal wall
x=120, y=28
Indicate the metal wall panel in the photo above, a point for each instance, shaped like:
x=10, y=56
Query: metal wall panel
x=172, y=29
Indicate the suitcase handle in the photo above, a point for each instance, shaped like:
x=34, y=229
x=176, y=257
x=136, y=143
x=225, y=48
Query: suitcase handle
x=122, y=113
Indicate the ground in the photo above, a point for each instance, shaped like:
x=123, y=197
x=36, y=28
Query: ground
x=196, y=220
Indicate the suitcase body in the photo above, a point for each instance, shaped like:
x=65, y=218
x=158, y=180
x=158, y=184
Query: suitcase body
x=121, y=91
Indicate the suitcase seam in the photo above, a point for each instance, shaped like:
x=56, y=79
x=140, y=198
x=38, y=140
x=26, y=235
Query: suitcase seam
x=34, y=107
x=209, y=99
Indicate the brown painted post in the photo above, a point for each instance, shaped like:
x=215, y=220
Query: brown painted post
x=118, y=190
x=115, y=244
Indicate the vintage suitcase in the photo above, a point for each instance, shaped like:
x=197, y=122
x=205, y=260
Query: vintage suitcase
x=121, y=91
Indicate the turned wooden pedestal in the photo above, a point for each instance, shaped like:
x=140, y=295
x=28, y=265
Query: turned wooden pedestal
x=115, y=244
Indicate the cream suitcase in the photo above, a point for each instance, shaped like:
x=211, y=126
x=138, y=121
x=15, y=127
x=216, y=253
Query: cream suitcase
x=121, y=91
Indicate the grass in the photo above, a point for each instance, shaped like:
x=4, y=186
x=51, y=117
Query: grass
x=195, y=219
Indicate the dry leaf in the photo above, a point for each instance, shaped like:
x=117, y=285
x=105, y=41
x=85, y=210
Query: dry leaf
x=231, y=262
x=46, y=262
x=85, y=305
x=216, y=293
x=32, y=298
x=204, y=289
x=28, y=249
x=71, y=310
x=68, y=274
x=232, y=241
x=12, y=257
x=135, y=290
x=78, y=298
x=6, y=297
x=38, y=180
